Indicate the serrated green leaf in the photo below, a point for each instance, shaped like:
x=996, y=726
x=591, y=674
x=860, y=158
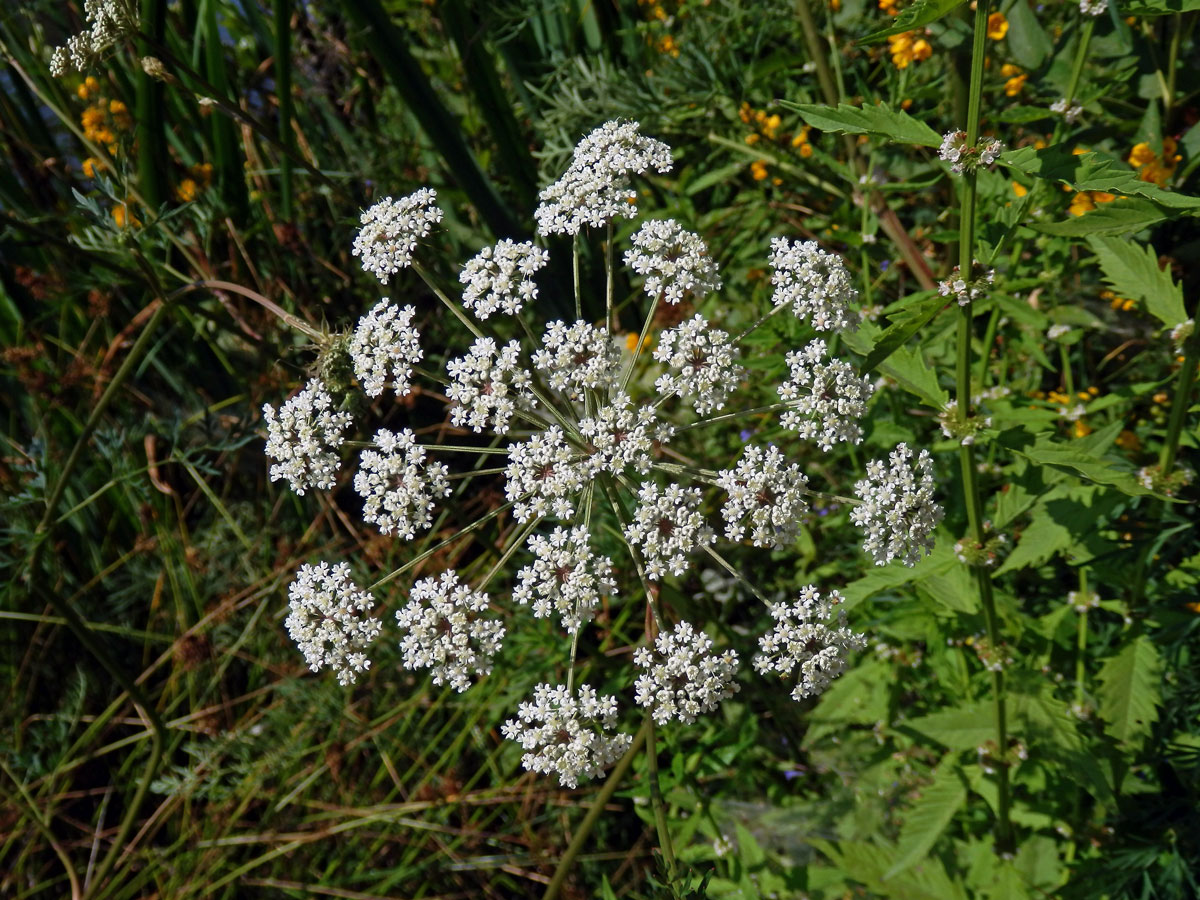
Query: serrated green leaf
x=962, y=728
x=918, y=311
x=881, y=120
x=926, y=819
x=904, y=365
x=1129, y=691
x=1159, y=7
x=1123, y=215
x=1027, y=40
x=1077, y=460
x=918, y=15
x=1091, y=172
x=1133, y=271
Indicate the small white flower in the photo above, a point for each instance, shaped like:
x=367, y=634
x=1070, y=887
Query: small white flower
x=814, y=283
x=489, y=386
x=543, y=475
x=386, y=345
x=702, y=364
x=802, y=640
x=595, y=189
x=1181, y=332
x=500, y=278
x=576, y=357
x=961, y=157
x=302, y=437
x=683, y=679
x=567, y=735
x=1082, y=601
x=666, y=527
x=1093, y=7
x=566, y=577
x=397, y=485
x=826, y=399
x=390, y=231
x=107, y=22
x=328, y=620
x=445, y=632
x=898, y=511
x=768, y=492
x=1064, y=108
x=674, y=262
x=1054, y=332
x=621, y=436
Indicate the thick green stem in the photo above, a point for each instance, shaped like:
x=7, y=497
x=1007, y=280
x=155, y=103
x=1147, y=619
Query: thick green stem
x=971, y=492
x=1085, y=40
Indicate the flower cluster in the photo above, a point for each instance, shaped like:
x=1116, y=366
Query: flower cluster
x=1181, y=332
x=955, y=150
x=578, y=356
x=385, y=345
x=622, y=436
x=701, y=364
x=107, y=22
x=390, y=231
x=898, y=511
x=302, y=437
x=567, y=734
x=500, y=278
x=666, y=527
x=825, y=398
x=398, y=488
x=489, y=386
x=764, y=489
x=1070, y=112
x=1093, y=7
x=328, y=620
x=445, y=633
x=567, y=577
x=814, y=283
x=802, y=640
x=683, y=678
x=674, y=261
x=543, y=476
x=595, y=189
x=961, y=289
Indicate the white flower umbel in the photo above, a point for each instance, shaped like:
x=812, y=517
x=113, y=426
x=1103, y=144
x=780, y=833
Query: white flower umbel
x=814, y=283
x=566, y=577
x=765, y=492
x=674, y=261
x=328, y=620
x=801, y=640
x=666, y=527
x=302, y=437
x=390, y=231
x=683, y=678
x=107, y=22
x=826, y=398
x=898, y=512
x=500, y=278
x=567, y=735
x=621, y=436
x=543, y=476
x=702, y=364
x=577, y=356
x=386, y=346
x=397, y=485
x=489, y=386
x=446, y=633
x=595, y=189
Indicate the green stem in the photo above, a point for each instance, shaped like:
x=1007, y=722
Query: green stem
x=567, y=862
x=660, y=815
x=449, y=304
x=608, y=279
x=1085, y=40
x=637, y=351
x=971, y=491
x=1180, y=403
x=575, y=277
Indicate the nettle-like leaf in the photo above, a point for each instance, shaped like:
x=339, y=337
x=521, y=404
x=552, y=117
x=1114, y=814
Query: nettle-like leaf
x=926, y=819
x=1159, y=7
x=904, y=365
x=920, y=14
x=1122, y=216
x=1091, y=172
x=964, y=727
x=880, y=120
x=1130, y=689
x=1077, y=460
x=1133, y=272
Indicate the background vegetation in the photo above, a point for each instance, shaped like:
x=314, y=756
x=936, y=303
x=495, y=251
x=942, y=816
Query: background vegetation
x=161, y=737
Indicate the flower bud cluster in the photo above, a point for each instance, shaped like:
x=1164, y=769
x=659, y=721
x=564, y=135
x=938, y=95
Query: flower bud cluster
x=814, y=283
x=1070, y=112
x=803, y=642
x=500, y=278
x=964, y=290
x=107, y=22
x=674, y=261
x=683, y=678
x=328, y=620
x=445, y=633
x=954, y=150
x=390, y=231
x=302, y=437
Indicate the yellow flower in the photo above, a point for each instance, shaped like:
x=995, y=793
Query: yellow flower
x=1151, y=168
x=631, y=342
x=1016, y=79
x=1081, y=203
x=1019, y=189
x=758, y=169
x=997, y=26
x=752, y=138
x=667, y=44
x=186, y=190
x=1127, y=440
x=905, y=49
x=835, y=5
x=1141, y=154
x=1081, y=428
x=770, y=125
x=91, y=166
x=889, y=7
x=745, y=112
x=124, y=216
x=202, y=173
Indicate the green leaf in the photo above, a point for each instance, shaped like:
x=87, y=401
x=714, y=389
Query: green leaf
x=881, y=120
x=1027, y=40
x=1133, y=271
x=1123, y=215
x=919, y=309
x=1159, y=7
x=918, y=15
x=904, y=365
x=965, y=727
x=925, y=820
x=1129, y=691
x=1076, y=460
x=1091, y=172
